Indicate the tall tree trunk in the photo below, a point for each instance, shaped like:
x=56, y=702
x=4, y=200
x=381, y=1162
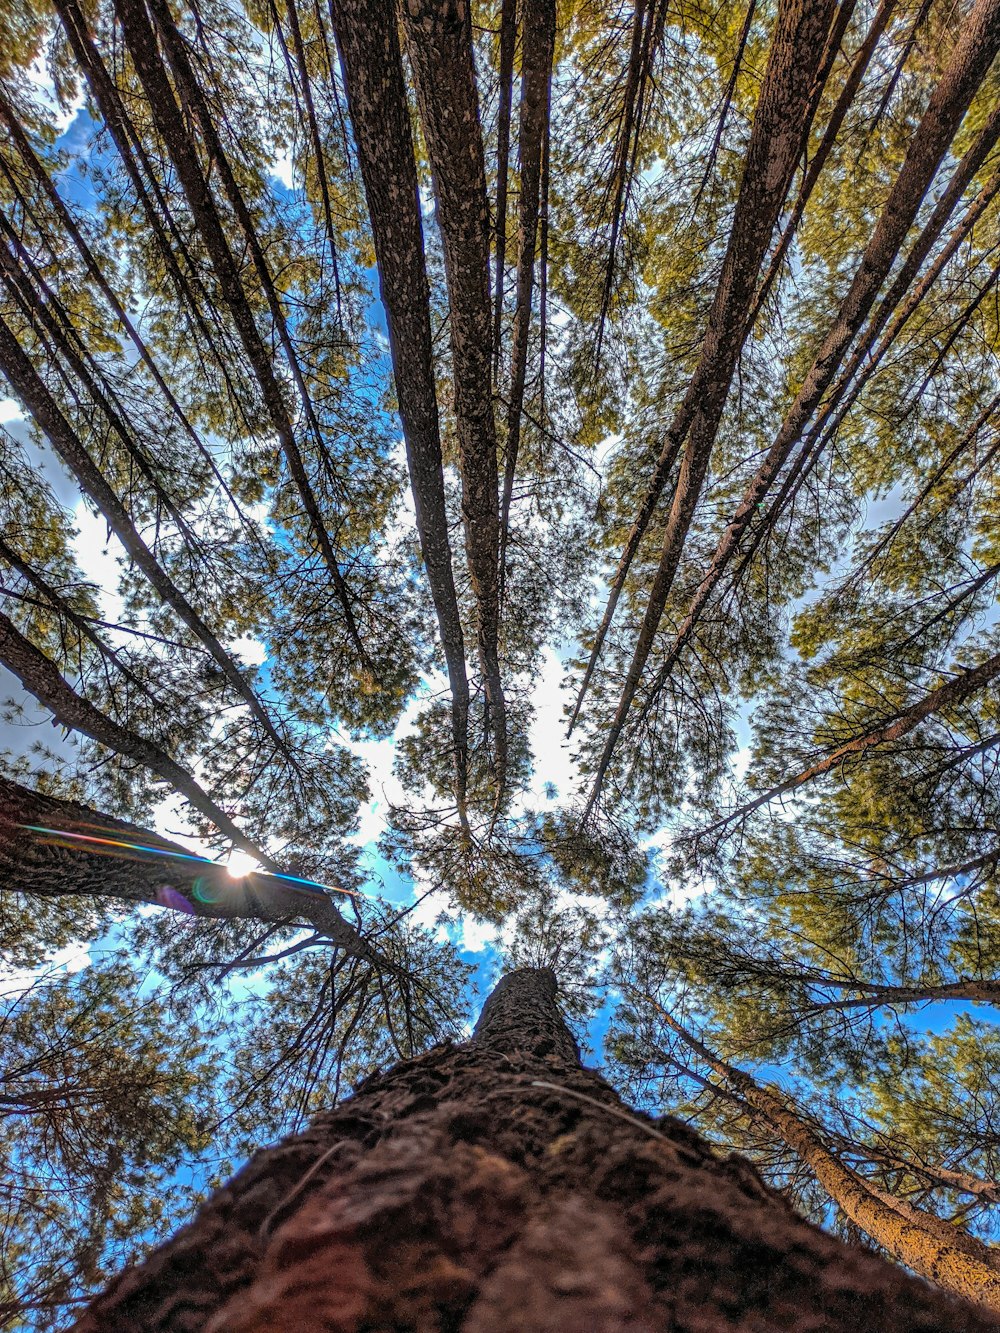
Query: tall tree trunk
x=439, y=43
x=32, y=391
x=780, y=129
x=536, y=76
x=965, y=71
x=368, y=40
x=960, y=687
x=169, y=118
x=958, y=85
x=499, y=1185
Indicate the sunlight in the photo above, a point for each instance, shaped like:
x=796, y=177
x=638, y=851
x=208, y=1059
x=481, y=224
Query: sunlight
x=241, y=864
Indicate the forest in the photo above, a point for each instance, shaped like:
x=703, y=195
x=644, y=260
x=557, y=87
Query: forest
x=500, y=489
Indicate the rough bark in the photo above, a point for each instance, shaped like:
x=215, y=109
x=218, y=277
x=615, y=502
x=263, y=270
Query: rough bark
x=965, y=71
x=141, y=40
x=780, y=126
x=843, y=104
x=499, y=1185
x=439, y=43
x=956, y=88
x=102, y=857
x=41, y=678
x=368, y=41
x=536, y=73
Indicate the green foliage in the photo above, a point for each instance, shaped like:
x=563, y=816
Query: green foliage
x=215, y=353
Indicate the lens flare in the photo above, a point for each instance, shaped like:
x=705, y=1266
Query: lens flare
x=240, y=865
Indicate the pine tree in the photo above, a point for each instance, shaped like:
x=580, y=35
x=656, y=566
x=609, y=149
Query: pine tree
x=405, y=350
x=499, y=1183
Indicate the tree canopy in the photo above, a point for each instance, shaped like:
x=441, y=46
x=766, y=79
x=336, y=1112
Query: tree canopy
x=373, y=372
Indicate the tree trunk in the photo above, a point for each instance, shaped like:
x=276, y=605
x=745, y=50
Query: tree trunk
x=499, y=1185
x=368, y=41
x=780, y=126
x=959, y=1262
x=960, y=687
x=51, y=847
x=439, y=44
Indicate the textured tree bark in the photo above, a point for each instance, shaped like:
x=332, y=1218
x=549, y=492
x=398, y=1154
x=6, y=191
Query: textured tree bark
x=368, y=41
x=499, y=1185
x=780, y=126
x=439, y=44
x=962, y=685
x=953, y=1259
x=31, y=389
x=536, y=73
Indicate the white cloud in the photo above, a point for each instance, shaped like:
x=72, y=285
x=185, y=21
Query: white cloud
x=251, y=650
x=378, y=757
x=282, y=170
x=97, y=553
x=552, y=752
x=9, y=411
x=475, y=936
x=45, y=90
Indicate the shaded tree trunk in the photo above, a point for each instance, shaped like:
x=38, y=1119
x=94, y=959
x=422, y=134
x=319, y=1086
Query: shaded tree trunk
x=500, y=1185
x=368, y=41
x=780, y=127
x=962, y=685
x=439, y=45
x=954, y=1259
x=55, y=848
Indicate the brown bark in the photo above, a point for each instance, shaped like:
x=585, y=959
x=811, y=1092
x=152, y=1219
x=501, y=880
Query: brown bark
x=876, y=996
x=368, y=41
x=954, y=1260
x=44, y=182
x=499, y=1185
x=843, y=104
x=990, y=858
x=439, y=44
x=40, y=677
x=779, y=128
x=986, y=1191
x=536, y=72
x=964, y=684
x=38, y=863
x=505, y=92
